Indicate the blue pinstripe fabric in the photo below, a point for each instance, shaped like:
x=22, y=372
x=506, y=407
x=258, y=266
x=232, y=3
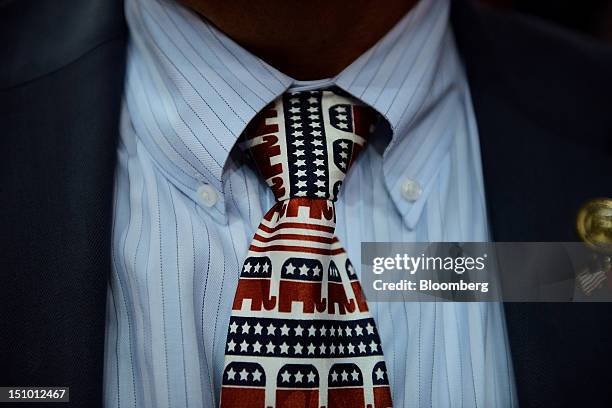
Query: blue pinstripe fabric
x=190, y=91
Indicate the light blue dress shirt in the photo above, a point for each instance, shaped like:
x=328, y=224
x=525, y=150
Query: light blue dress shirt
x=186, y=208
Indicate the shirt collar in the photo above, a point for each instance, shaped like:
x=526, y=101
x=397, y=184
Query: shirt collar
x=203, y=89
x=408, y=75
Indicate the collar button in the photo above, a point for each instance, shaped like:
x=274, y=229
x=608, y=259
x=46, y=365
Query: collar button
x=207, y=195
x=411, y=190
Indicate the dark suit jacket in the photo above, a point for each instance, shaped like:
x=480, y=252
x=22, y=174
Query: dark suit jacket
x=542, y=102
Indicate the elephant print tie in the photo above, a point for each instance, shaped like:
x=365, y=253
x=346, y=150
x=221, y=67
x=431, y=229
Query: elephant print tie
x=300, y=333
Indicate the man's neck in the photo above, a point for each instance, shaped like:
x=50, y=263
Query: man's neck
x=304, y=39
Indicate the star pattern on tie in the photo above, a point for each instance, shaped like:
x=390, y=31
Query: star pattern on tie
x=287, y=338
x=244, y=374
x=298, y=376
x=305, y=113
x=256, y=266
x=345, y=375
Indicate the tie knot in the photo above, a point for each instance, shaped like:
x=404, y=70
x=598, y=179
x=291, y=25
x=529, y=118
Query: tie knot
x=303, y=143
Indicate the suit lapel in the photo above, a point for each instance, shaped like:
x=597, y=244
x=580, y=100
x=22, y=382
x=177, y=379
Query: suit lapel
x=535, y=174
x=539, y=168
x=59, y=121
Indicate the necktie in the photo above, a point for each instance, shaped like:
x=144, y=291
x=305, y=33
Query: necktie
x=300, y=333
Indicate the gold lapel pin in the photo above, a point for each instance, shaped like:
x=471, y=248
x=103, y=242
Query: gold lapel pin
x=594, y=224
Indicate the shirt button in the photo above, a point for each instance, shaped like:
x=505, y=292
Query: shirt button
x=411, y=190
x=208, y=195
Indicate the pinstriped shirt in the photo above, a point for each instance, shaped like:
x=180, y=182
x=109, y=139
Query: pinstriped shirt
x=186, y=207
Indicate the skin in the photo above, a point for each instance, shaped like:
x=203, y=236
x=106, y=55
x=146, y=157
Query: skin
x=306, y=40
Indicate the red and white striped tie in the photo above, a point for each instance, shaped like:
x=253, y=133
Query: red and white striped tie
x=300, y=333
